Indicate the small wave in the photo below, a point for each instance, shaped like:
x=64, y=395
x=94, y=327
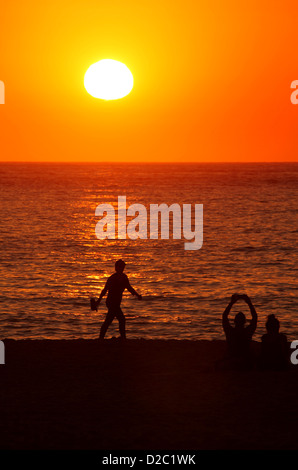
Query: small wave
x=246, y=249
x=159, y=297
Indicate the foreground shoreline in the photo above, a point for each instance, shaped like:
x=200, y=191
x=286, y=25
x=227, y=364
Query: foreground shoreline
x=141, y=394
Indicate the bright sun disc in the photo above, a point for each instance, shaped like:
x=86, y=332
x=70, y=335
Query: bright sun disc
x=108, y=80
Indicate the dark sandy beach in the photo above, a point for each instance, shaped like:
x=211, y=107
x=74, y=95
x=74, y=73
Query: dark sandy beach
x=141, y=395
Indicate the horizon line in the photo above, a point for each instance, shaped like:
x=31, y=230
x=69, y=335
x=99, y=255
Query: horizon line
x=144, y=162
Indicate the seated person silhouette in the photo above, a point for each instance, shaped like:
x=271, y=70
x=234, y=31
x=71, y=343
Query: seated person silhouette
x=274, y=349
x=115, y=286
x=239, y=337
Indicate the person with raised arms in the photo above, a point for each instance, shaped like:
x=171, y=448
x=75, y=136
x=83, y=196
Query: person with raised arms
x=239, y=336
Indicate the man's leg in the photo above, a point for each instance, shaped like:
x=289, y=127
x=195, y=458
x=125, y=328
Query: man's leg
x=109, y=318
x=121, y=318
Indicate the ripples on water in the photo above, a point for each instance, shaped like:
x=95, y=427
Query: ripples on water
x=51, y=260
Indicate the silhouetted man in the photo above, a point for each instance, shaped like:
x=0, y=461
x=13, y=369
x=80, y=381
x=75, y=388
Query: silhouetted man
x=115, y=286
x=239, y=337
x=275, y=351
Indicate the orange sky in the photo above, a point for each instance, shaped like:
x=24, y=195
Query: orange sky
x=211, y=80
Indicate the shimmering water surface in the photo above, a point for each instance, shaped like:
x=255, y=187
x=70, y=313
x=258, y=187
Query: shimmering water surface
x=51, y=260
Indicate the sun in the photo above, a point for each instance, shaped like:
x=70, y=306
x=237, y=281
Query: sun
x=108, y=80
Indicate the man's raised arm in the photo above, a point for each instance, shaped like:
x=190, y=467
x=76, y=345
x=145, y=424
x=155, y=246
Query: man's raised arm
x=253, y=312
x=225, y=320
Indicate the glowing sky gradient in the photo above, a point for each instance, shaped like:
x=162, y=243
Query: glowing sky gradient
x=211, y=81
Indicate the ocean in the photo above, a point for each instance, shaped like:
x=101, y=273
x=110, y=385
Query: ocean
x=52, y=261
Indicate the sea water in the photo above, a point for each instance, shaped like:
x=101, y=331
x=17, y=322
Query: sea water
x=52, y=261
